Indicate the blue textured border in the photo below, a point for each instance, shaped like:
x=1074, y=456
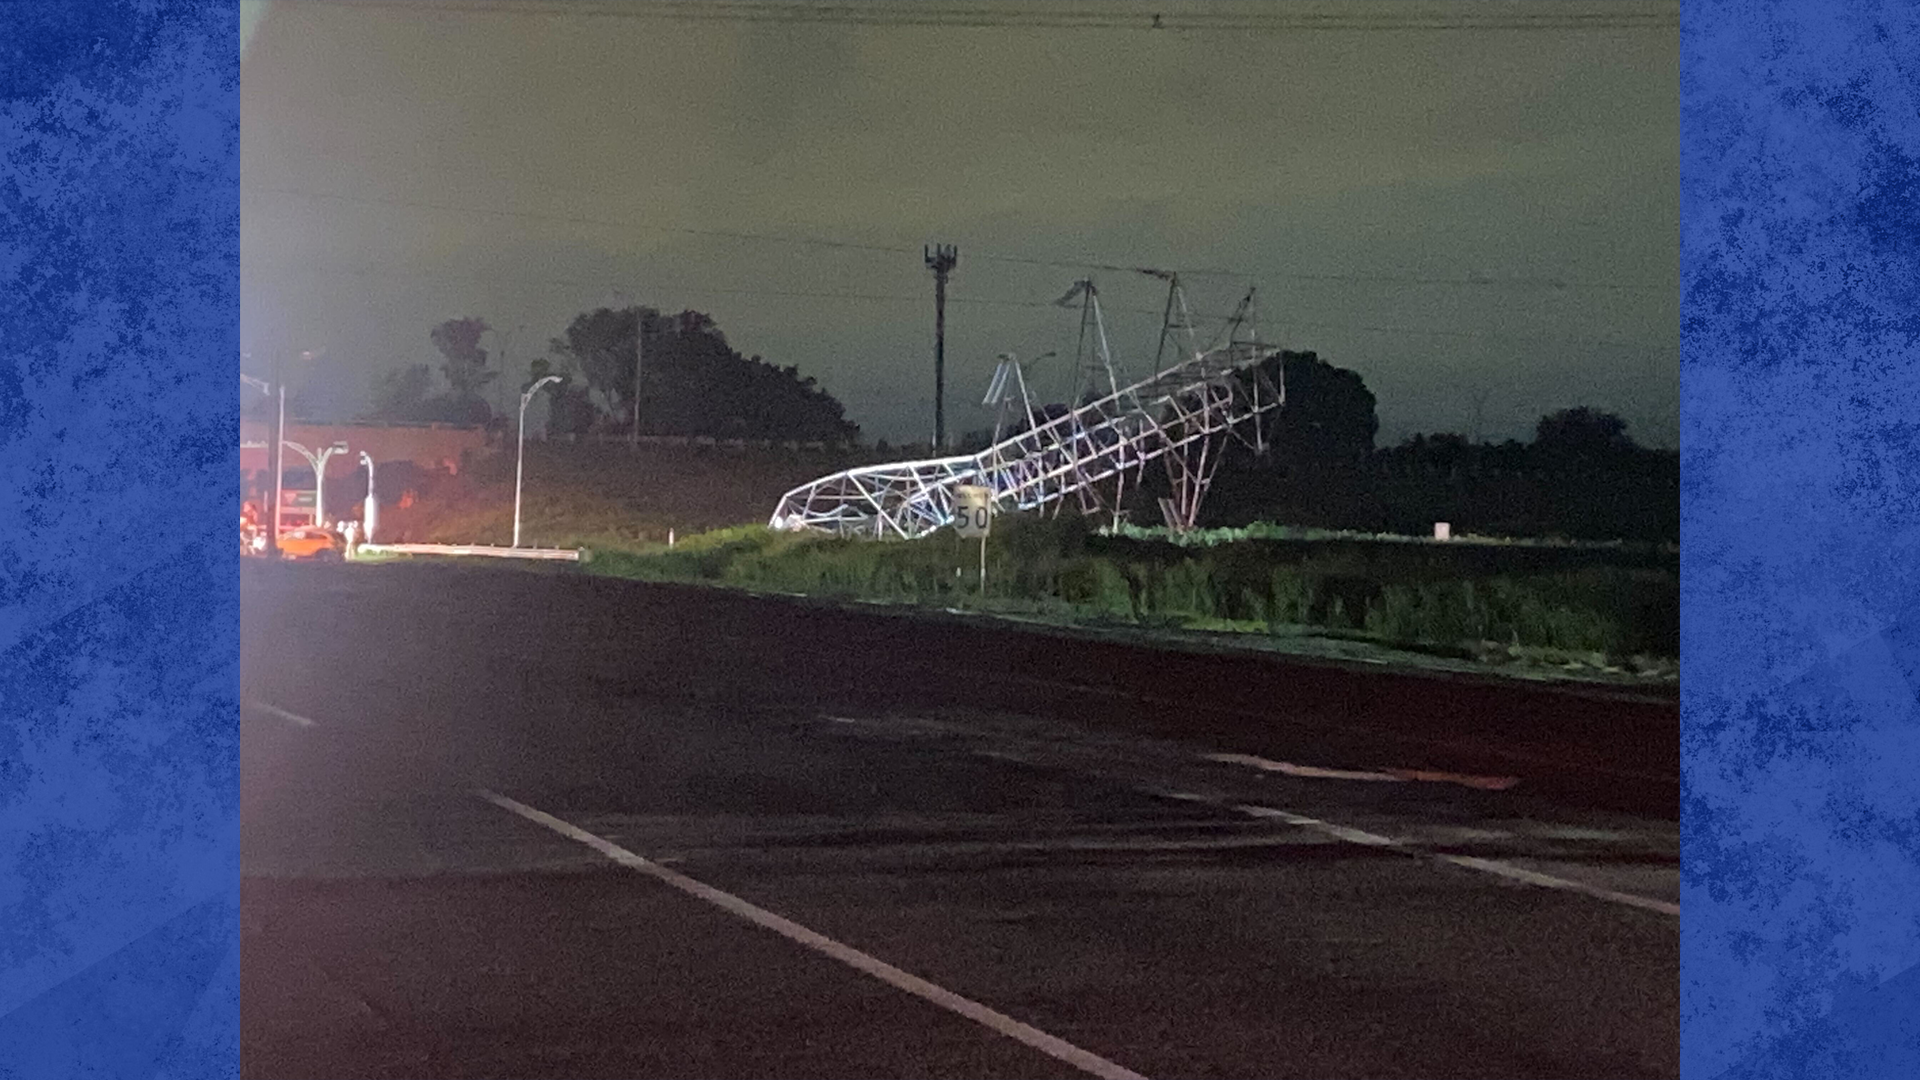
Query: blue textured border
x=119, y=609
x=1800, y=261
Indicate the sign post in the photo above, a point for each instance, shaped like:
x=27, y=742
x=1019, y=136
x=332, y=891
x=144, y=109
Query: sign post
x=973, y=516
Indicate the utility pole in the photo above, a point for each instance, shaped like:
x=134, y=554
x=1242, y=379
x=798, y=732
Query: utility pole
x=639, y=337
x=276, y=455
x=941, y=260
x=503, y=394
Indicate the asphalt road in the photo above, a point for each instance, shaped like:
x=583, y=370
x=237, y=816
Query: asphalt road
x=509, y=824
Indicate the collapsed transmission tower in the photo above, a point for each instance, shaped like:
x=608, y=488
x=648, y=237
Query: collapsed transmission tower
x=1180, y=416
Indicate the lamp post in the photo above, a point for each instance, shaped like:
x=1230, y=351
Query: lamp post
x=273, y=457
x=520, y=452
x=276, y=455
x=319, y=463
x=370, y=509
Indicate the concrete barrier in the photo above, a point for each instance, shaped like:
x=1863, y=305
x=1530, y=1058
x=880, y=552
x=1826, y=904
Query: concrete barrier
x=560, y=554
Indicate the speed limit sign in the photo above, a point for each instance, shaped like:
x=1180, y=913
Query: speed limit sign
x=972, y=510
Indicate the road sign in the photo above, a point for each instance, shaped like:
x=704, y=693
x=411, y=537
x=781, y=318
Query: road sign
x=301, y=499
x=972, y=510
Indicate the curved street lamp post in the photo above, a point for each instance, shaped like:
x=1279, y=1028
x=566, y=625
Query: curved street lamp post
x=319, y=463
x=370, y=509
x=520, y=453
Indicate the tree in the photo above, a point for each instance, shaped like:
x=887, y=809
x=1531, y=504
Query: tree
x=1582, y=428
x=465, y=366
x=693, y=383
x=1329, y=416
x=570, y=409
x=402, y=394
x=1582, y=436
x=599, y=344
x=976, y=441
x=262, y=407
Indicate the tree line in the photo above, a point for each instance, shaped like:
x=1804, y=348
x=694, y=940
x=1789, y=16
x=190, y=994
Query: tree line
x=1331, y=419
x=690, y=382
x=1581, y=474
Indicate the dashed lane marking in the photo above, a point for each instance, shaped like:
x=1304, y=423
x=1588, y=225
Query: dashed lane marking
x=1470, y=862
x=1052, y=1046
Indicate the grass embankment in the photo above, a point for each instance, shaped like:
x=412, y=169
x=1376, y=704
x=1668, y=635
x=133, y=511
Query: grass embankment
x=1440, y=598
x=604, y=496
x=1597, y=605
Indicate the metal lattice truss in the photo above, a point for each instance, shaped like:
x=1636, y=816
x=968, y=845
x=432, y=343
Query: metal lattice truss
x=1082, y=457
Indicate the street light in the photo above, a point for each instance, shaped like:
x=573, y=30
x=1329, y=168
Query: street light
x=319, y=463
x=275, y=452
x=520, y=453
x=370, y=509
x=273, y=455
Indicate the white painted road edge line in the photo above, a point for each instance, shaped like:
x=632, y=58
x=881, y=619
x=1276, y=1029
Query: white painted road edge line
x=1059, y=1049
x=1486, y=866
x=283, y=714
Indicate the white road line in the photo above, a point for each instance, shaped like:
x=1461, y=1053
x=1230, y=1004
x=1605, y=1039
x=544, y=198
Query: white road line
x=283, y=714
x=1228, y=843
x=1087, y=1062
x=1389, y=775
x=1265, y=765
x=1515, y=755
x=1486, y=866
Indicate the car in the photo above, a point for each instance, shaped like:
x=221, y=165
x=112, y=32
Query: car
x=312, y=542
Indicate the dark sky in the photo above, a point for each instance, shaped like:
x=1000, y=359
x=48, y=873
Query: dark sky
x=406, y=164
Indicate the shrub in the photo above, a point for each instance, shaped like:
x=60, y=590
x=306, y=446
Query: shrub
x=1294, y=597
x=1183, y=588
x=1038, y=564
x=1096, y=585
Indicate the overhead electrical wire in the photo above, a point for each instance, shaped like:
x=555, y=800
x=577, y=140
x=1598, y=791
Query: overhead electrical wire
x=851, y=245
x=570, y=219
x=1173, y=18
x=248, y=268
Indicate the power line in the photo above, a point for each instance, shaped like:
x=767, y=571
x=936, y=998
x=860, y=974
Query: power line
x=574, y=220
x=983, y=301
x=1663, y=16
x=1364, y=279
x=850, y=245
